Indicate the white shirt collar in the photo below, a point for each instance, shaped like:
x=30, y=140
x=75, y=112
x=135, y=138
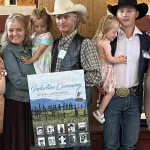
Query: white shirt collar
x=135, y=32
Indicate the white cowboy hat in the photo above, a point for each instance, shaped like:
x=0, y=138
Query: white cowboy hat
x=66, y=6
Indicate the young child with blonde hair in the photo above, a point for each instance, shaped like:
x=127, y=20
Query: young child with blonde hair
x=107, y=32
x=42, y=41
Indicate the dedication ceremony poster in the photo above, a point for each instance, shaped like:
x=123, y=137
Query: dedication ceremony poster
x=59, y=109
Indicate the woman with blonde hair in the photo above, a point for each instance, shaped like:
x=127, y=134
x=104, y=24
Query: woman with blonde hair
x=18, y=128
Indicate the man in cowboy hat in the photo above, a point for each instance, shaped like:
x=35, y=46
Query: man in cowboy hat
x=122, y=125
x=73, y=51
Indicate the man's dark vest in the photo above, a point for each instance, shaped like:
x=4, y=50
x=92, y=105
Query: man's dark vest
x=71, y=60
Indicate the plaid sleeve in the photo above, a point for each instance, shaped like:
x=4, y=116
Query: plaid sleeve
x=91, y=63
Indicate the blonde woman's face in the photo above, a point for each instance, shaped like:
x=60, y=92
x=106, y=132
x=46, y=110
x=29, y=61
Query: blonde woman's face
x=16, y=32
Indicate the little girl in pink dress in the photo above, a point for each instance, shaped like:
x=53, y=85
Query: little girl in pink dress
x=106, y=32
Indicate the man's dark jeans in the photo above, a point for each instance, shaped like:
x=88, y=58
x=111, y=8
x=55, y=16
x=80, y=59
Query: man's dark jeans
x=122, y=125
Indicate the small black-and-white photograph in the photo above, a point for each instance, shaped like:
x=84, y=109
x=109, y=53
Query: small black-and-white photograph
x=72, y=139
x=82, y=126
x=71, y=127
x=51, y=140
x=62, y=139
x=41, y=141
x=61, y=128
x=40, y=130
x=50, y=129
x=146, y=54
x=83, y=138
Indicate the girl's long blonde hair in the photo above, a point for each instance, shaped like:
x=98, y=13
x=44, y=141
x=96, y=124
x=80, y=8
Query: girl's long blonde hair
x=105, y=24
x=21, y=19
x=40, y=14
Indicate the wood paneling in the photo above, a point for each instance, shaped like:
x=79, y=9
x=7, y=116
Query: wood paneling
x=144, y=23
x=25, y=2
x=95, y=10
x=18, y=2
x=2, y=24
x=2, y=2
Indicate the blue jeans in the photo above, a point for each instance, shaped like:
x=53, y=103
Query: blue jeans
x=122, y=125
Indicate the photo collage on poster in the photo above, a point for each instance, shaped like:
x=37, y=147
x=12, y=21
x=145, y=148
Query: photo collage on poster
x=59, y=109
x=62, y=135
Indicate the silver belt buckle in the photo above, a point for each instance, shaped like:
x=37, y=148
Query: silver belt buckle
x=122, y=92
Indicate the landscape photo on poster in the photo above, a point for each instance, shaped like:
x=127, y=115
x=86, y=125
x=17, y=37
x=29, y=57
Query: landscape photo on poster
x=59, y=109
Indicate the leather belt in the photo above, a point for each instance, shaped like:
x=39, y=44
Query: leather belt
x=123, y=92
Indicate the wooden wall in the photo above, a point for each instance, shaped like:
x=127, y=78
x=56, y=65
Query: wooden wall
x=95, y=10
x=144, y=23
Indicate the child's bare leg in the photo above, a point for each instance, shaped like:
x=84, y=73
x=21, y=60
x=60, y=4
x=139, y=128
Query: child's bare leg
x=105, y=101
x=99, y=114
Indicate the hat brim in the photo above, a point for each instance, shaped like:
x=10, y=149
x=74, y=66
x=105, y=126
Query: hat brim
x=75, y=8
x=142, y=8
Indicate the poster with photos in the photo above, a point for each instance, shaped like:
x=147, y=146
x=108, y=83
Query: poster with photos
x=59, y=109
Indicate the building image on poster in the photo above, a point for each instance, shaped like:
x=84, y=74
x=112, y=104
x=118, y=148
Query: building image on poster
x=59, y=109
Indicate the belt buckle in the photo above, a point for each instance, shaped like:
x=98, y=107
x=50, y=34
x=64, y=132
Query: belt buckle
x=122, y=92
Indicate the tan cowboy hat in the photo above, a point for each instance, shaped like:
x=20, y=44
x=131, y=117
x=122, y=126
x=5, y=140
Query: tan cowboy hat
x=66, y=6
